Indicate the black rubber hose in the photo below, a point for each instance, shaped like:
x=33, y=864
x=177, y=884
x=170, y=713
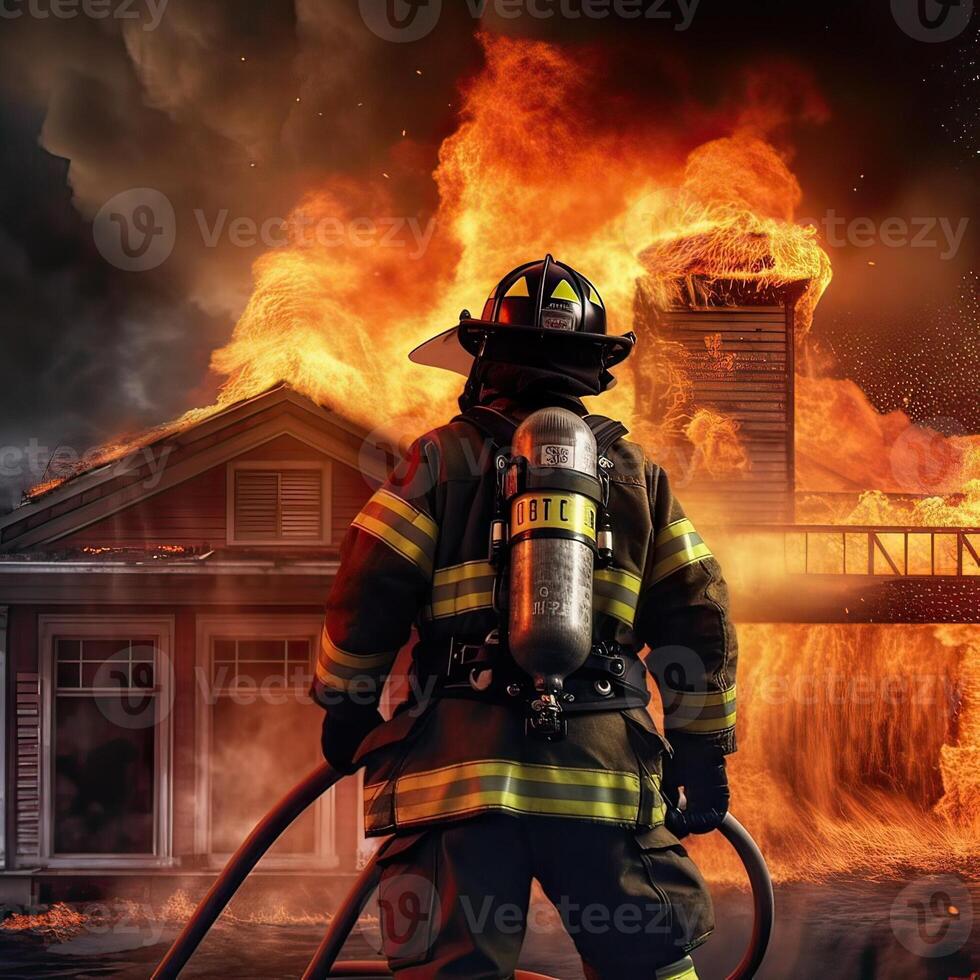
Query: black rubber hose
x=341, y=926
x=307, y=792
x=763, y=899
x=267, y=831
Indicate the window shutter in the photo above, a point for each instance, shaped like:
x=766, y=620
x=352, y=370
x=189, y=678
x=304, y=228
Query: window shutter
x=301, y=498
x=284, y=505
x=28, y=766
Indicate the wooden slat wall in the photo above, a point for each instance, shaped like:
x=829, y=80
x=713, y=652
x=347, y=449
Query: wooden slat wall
x=350, y=493
x=740, y=361
x=191, y=514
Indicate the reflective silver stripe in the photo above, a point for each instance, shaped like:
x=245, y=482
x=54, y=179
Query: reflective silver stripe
x=703, y=712
x=336, y=668
x=675, y=547
x=616, y=593
x=461, y=588
x=501, y=784
x=404, y=528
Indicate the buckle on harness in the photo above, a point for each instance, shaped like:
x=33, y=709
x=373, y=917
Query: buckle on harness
x=461, y=654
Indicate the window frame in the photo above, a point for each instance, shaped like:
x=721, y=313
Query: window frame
x=161, y=629
x=278, y=626
x=236, y=466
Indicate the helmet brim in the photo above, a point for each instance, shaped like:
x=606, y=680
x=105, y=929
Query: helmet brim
x=455, y=348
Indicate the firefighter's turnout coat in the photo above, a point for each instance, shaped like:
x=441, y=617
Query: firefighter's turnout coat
x=417, y=555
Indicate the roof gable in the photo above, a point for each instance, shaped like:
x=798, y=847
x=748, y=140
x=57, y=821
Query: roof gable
x=181, y=455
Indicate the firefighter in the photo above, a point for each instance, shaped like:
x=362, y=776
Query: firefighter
x=477, y=802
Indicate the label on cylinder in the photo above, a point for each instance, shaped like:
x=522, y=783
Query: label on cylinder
x=562, y=457
x=553, y=511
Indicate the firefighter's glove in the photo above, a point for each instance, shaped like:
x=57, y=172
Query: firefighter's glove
x=700, y=770
x=345, y=726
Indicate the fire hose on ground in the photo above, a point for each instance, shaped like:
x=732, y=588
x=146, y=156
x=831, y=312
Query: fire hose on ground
x=268, y=830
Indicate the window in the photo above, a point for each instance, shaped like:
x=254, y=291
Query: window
x=278, y=503
x=259, y=734
x=108, y=751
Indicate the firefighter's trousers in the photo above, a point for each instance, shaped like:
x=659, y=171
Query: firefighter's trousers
x=454, y=899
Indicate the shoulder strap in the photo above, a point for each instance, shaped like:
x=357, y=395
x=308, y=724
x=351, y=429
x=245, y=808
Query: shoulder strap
x=606, y=431
x=500, y=429
x=496, y=426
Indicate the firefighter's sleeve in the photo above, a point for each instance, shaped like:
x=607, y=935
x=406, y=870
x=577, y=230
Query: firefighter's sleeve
x=384, y=577
x=683, y=616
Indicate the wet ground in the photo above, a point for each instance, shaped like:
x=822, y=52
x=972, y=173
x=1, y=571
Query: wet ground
x=918, y=928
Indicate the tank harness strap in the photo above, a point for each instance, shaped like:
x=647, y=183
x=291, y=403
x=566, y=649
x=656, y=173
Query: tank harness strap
x=606, y=431
x=500, y=429
x=611, y=677
x=496, y=426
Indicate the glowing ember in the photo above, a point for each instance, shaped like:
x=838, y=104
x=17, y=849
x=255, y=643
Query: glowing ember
x=60, y=923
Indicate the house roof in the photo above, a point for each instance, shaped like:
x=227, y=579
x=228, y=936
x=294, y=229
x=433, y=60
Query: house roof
x=173, y=454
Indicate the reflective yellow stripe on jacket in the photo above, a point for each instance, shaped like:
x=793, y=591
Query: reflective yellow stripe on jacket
x=681, y=970
x=701, y=712
x=503, y=784
x=404, y=528
x=616, y=593
x=460, y=589
x=677, y=545
x=340, y=670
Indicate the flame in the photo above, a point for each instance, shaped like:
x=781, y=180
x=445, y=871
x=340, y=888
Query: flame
x=534, y=167
x=718, y=450
x=335, y=317
x=843, y=768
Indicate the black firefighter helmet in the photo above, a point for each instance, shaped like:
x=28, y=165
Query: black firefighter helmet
x=544, y=299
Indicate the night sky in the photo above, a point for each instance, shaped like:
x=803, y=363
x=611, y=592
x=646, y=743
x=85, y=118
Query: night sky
x=244, y=104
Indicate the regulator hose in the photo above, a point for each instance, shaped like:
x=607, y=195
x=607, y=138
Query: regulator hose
x=268, y=830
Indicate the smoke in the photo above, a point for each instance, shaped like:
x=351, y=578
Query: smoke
x=232, y=111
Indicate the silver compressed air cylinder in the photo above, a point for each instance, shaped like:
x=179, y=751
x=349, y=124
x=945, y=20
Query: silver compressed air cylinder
x=553, y=495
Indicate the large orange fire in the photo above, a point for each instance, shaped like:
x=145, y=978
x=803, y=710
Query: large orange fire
x=531, y=170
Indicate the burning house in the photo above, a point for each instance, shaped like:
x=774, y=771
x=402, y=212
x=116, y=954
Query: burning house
x=735, y=352
x=161, y=619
